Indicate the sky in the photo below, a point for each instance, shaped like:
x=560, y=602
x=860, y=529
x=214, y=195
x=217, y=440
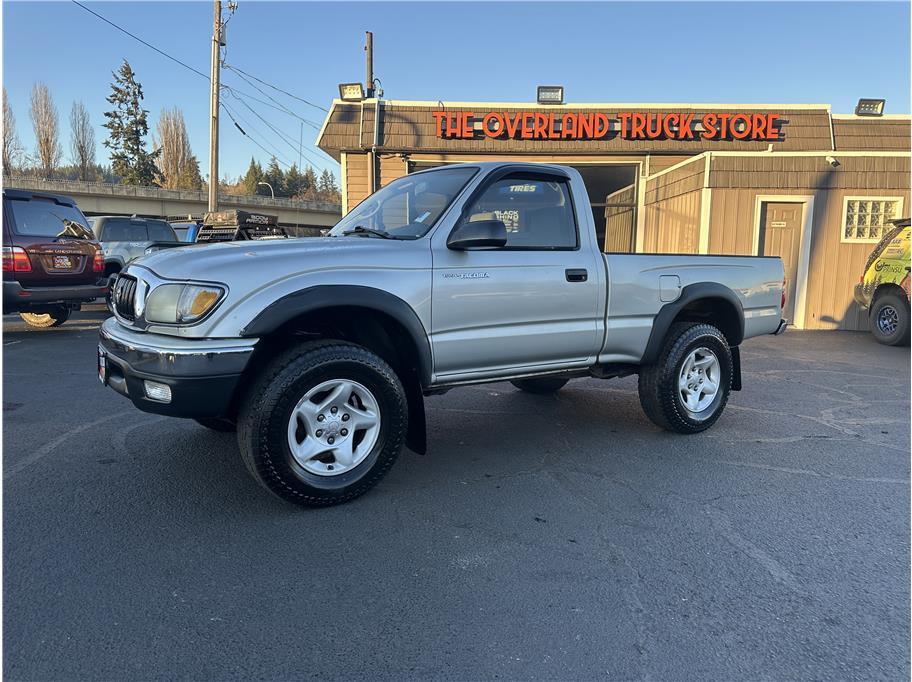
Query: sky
x=722, y=52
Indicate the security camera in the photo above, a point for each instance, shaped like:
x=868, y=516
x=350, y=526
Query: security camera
x=833, y=161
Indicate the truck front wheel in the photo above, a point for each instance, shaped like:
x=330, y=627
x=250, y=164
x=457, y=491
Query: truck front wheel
x=688, y=386
x=323, y=423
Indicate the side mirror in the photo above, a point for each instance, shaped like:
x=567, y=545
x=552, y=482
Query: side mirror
x=478, y=234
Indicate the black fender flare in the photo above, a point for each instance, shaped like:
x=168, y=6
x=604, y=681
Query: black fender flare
x=690, y=294
x=320, y=296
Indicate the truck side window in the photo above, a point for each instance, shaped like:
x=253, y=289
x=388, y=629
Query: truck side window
x=537, y=213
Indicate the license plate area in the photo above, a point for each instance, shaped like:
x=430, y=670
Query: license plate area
x=62, y=263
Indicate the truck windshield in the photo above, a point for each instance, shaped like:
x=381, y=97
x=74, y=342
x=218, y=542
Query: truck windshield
x=408, y=207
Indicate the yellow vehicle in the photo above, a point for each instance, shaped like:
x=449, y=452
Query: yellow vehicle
x=884, y=287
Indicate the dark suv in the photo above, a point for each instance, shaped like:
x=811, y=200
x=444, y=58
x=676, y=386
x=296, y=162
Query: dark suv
x=51, y=260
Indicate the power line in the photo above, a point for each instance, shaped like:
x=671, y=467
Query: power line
x=275, y=87
x=280, y=106
x=291, y=143
x=184, y=64
x=136, y=37
x=237, y=94
x=275, y=153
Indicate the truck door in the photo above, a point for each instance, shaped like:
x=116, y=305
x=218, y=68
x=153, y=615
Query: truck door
x=530, y=304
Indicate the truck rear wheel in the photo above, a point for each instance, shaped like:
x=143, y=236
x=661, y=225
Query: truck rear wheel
x=54, y=317
x=323, y=423
x=687, y=387
x=540, y=385
x=889, y=320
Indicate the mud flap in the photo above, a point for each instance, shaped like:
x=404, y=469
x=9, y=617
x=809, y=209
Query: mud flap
x=416, y=438
x=736, y=368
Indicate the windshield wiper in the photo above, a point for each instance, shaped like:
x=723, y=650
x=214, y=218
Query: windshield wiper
x=360, y=229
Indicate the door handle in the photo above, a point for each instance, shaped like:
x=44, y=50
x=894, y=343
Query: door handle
x=577, y=275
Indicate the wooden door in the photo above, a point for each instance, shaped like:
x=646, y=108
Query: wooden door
x=780, y=235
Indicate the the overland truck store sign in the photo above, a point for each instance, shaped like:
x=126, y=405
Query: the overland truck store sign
x=596, y=125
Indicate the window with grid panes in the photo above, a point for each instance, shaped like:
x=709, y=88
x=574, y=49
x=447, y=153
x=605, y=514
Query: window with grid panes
x=865, y=219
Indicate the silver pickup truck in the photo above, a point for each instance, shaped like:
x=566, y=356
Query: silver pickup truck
x=320, y=351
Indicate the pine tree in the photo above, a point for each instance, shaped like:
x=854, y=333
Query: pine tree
x=310, y=188
x=275, y=177
x=253, y=175
x=294, y=181
x=128, y=126
x=328, y=185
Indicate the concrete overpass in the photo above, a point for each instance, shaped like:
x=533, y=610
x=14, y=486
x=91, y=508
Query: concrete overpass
x=98, y=198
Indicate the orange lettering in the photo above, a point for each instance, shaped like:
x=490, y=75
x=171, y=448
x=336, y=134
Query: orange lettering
x=637, y=128
x=601, y=125
x=685, y=129
x=568, y=127
x=585, y=127
x=512, y=124
x=625, y=120
x=709, y=127
x=527, y=118
x=539, y=126
x=438, y=117
x=489, y=130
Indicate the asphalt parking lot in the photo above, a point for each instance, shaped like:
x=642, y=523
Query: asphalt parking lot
x=541, y=537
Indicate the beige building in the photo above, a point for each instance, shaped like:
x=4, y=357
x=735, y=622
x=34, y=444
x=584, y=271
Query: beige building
x=796, y=181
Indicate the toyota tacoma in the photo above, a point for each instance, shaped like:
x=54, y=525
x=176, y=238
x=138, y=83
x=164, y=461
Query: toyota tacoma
x=320, y=351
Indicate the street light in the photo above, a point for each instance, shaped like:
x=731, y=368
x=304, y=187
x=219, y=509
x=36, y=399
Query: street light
x=271, y=191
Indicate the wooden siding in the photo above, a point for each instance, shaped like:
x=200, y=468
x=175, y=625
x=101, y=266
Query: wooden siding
x=809, y=172
x=872, y=134
x=687, y=178
x=833, y=267
x=659, y=162
x=355, y=181
x=411, y=127
x=391, y=168
x=673, y=225
x=619, y=221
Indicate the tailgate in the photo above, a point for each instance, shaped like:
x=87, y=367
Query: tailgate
x=62, y=261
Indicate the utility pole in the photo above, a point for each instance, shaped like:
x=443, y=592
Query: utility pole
x=369, y=92
x=369, y=78
x=214, y=108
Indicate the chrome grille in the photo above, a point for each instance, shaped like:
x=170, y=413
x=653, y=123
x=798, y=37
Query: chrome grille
x=124, y=293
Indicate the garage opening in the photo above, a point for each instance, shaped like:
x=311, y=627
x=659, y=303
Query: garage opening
x=613, y=195
x=612, y=192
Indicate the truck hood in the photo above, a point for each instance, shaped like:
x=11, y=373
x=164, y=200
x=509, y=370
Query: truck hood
x=264, y=260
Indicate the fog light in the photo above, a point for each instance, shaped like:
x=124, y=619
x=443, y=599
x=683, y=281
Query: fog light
x=157, y=391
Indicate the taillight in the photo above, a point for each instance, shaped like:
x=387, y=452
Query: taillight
x=15, y=259
x=784, y=289
x=98, y=263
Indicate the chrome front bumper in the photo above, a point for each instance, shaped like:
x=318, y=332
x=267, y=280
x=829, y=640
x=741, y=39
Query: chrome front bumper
x=202, y=374
x=173, y=355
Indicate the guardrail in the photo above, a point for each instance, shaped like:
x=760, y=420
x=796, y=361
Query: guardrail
x=141, y=191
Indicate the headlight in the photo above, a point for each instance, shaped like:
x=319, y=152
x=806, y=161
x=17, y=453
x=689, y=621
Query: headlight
x=179, y=303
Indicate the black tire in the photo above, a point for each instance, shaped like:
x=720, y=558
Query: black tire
x=220, y=424
x=660, y=396
x=54, y=317
x=540, y=385
x=890, y=310
x=263, y=422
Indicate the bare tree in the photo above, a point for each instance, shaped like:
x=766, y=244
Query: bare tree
x=44, y=120
x=12, y=149
x=178, y=166
x=82, y=141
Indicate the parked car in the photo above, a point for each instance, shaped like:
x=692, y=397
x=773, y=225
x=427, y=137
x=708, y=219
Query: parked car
x=884, y=287
x=127, y=238
x=52, y=263
x=321, y=350
x=186, y=231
